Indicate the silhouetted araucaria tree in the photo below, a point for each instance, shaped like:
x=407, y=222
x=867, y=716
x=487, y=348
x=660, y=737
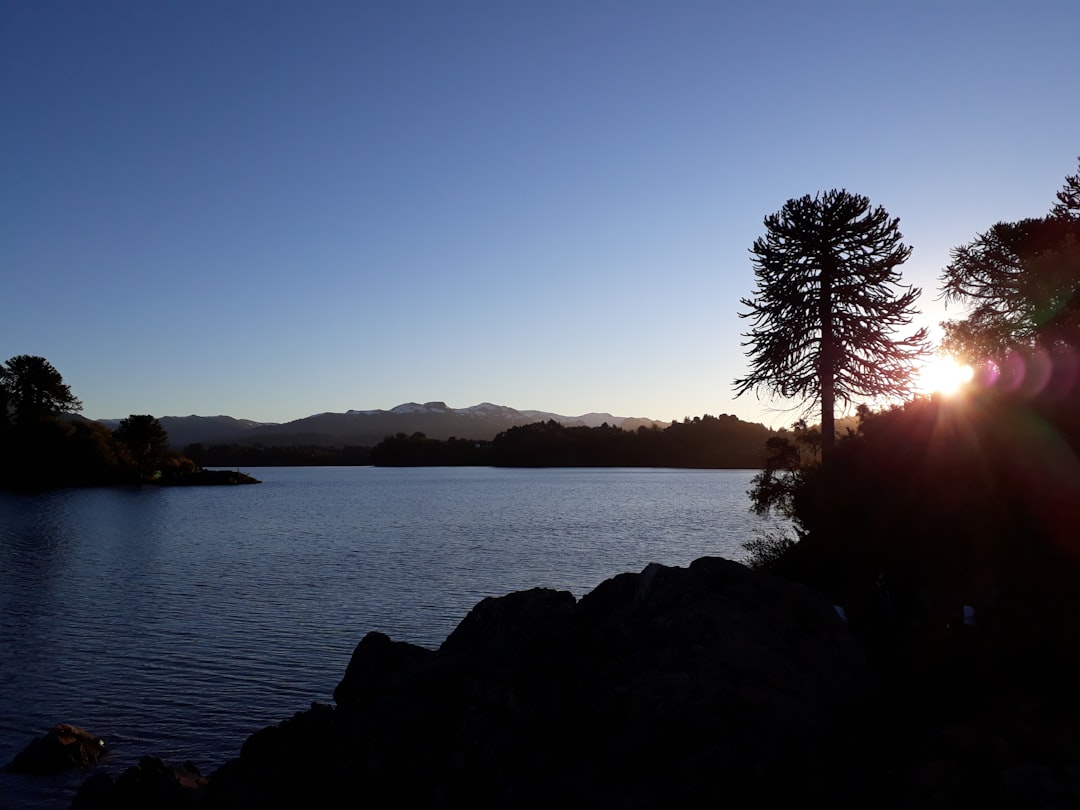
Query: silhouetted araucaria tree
x=827, y=301
x=33, y=390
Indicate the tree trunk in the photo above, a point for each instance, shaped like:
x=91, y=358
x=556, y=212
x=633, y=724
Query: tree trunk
x=826, y=371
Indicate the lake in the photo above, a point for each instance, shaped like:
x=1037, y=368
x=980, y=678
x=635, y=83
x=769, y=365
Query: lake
x=177, y=621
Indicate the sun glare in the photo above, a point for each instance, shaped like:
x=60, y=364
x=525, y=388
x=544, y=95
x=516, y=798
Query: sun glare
x=943, y=375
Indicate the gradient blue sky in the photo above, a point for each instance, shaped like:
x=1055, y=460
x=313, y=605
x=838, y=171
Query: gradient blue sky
x=273, y=209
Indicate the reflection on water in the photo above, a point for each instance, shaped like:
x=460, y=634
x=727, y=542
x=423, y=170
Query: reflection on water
x=178, y=621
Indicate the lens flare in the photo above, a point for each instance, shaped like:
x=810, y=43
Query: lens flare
x=1051, y=374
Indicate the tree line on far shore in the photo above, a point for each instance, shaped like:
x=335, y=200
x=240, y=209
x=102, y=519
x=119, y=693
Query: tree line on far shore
x=705, y=442
x=45, y=444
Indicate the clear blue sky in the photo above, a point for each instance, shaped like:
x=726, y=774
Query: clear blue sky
x=273, y=209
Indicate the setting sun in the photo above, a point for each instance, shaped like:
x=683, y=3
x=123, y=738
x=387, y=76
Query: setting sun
x=943, y=375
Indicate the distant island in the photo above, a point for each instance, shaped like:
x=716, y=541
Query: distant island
x=43, y=446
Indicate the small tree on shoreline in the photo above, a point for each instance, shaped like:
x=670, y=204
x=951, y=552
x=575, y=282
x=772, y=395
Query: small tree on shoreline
x=143, y=436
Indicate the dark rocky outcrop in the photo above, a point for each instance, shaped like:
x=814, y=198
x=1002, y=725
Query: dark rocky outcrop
x=61, y=748
x=672, y=687
x=710, y=685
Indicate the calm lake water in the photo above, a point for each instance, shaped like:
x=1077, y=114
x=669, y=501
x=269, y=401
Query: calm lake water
x=176, y=622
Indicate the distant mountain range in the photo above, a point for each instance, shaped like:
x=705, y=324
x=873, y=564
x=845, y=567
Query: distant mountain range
x=368, y=428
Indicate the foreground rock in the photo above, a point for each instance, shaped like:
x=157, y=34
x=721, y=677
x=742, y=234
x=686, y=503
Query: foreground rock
x=61, y=748
x=151, y=783
x=672, y=687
